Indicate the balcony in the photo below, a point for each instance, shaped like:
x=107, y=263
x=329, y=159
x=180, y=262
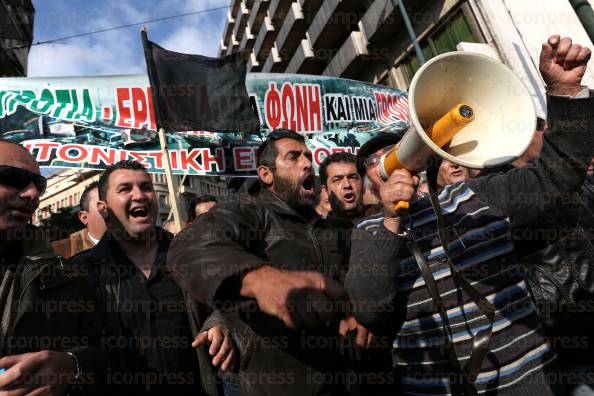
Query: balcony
x=333, y=22
x=292, y=31
x=241, y=19
x=247, y=42
x=378, y=23
x=222, y=49
x=278, y=10
x=228, y=32
x=265, y=39
x=274, y=63
x=304, y=60
x=350, y=58
x=257, y=15
x=232, y=45
x=253, y=65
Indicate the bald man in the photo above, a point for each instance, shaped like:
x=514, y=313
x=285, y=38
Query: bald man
x=46, y=312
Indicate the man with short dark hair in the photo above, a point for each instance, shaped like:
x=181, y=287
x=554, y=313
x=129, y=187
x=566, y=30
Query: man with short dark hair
x=94, y=225
x=49, y=332
x=144, y=307
x=273, y=265
x=200, y=205
x=341, y=181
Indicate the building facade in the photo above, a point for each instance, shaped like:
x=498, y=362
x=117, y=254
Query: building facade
x=16, y=36
x=368, y=40
x=65, y=188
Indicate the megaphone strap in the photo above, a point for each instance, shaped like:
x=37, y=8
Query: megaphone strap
x=480, y=344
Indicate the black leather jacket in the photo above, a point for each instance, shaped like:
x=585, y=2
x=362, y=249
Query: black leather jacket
x=557, y=253
x=235, y=237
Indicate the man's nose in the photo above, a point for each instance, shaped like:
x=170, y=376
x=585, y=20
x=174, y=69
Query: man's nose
x=31, y=192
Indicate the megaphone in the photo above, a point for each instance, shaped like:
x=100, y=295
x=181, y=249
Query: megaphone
x=468, y=109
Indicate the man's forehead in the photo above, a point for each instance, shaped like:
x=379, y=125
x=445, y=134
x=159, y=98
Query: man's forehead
x=342, y=168
x=290, y=145
x=17, y=156
x=128, y=176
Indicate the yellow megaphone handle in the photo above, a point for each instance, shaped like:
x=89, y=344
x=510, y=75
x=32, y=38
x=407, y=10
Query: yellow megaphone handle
x=401, y=206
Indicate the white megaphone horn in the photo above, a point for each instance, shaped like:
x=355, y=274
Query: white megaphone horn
x=465, y=108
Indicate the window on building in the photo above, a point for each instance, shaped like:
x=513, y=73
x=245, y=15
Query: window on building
x=444, y=38
x=188, y=181
x=163, y=201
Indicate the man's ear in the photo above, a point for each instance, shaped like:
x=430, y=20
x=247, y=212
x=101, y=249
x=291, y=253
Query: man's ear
x=324, y=189
x=265, y=175
x=102, y=209
x=83, y=216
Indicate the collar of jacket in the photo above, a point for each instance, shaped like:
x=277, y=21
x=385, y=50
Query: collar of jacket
x=273, y=202
x=106, y=249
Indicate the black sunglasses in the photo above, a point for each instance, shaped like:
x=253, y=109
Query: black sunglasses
x=19, y=178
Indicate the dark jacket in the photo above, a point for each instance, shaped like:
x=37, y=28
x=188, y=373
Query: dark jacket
x=235, y=237
x=56, y=309
x=557, y=252
x=107, y=269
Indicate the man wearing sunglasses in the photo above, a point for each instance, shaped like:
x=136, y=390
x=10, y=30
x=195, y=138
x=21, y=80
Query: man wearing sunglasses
x=273, y=265
x=47, y=323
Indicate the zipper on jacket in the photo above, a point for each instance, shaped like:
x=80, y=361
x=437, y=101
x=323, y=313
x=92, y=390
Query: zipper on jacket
x=316, y=243
x=551, y=278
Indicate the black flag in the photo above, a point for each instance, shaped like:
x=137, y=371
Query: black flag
x=194, y=92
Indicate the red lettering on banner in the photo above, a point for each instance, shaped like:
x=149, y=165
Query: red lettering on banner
x=288, y=101
x=158, y=157
x=44, y=150
x=188, y=160
x=317, y=155
x=139, y=108
x=140, y=157
x=302, y=99
x=244, y=158
x=64, y=153
x=272, y=107
x=219, y=160
x=101, y=155
x=123, y=103
x=315, y=108
x=174, y=158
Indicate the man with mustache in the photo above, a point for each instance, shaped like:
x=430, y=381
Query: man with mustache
x=152, y=341
x=48, y=325
x=273, y=265
x=341, y=181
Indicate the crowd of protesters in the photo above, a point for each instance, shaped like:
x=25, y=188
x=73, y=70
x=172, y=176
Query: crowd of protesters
x=484, y=286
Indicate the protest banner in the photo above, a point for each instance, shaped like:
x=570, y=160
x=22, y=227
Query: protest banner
x=92, y=122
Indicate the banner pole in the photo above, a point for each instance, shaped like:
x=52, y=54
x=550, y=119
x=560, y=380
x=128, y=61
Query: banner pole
x=170, y=181
x=148, y=54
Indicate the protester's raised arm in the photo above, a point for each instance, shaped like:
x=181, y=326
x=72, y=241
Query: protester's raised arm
x=567, y=145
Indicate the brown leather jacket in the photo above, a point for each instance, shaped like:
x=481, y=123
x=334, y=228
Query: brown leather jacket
x=77, y=242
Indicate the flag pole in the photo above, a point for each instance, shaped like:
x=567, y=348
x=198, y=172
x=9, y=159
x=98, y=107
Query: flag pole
x=162, y=139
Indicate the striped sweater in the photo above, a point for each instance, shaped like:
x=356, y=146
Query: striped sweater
x=481, y=249
x=389, y=294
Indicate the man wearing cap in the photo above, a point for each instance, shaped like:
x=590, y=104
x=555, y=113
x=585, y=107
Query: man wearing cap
x=446, y=282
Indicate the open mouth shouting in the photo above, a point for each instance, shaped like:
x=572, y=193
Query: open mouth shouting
x=140, y=214
x=308, y=184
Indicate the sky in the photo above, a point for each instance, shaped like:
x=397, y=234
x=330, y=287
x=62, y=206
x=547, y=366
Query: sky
x=120, y=51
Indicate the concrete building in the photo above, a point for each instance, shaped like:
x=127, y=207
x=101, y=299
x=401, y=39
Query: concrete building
x=16, y=36
x=367, y=40
x=65, y=187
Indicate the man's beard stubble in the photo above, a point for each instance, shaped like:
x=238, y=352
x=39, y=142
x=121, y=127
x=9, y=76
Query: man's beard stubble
x=290, y=192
